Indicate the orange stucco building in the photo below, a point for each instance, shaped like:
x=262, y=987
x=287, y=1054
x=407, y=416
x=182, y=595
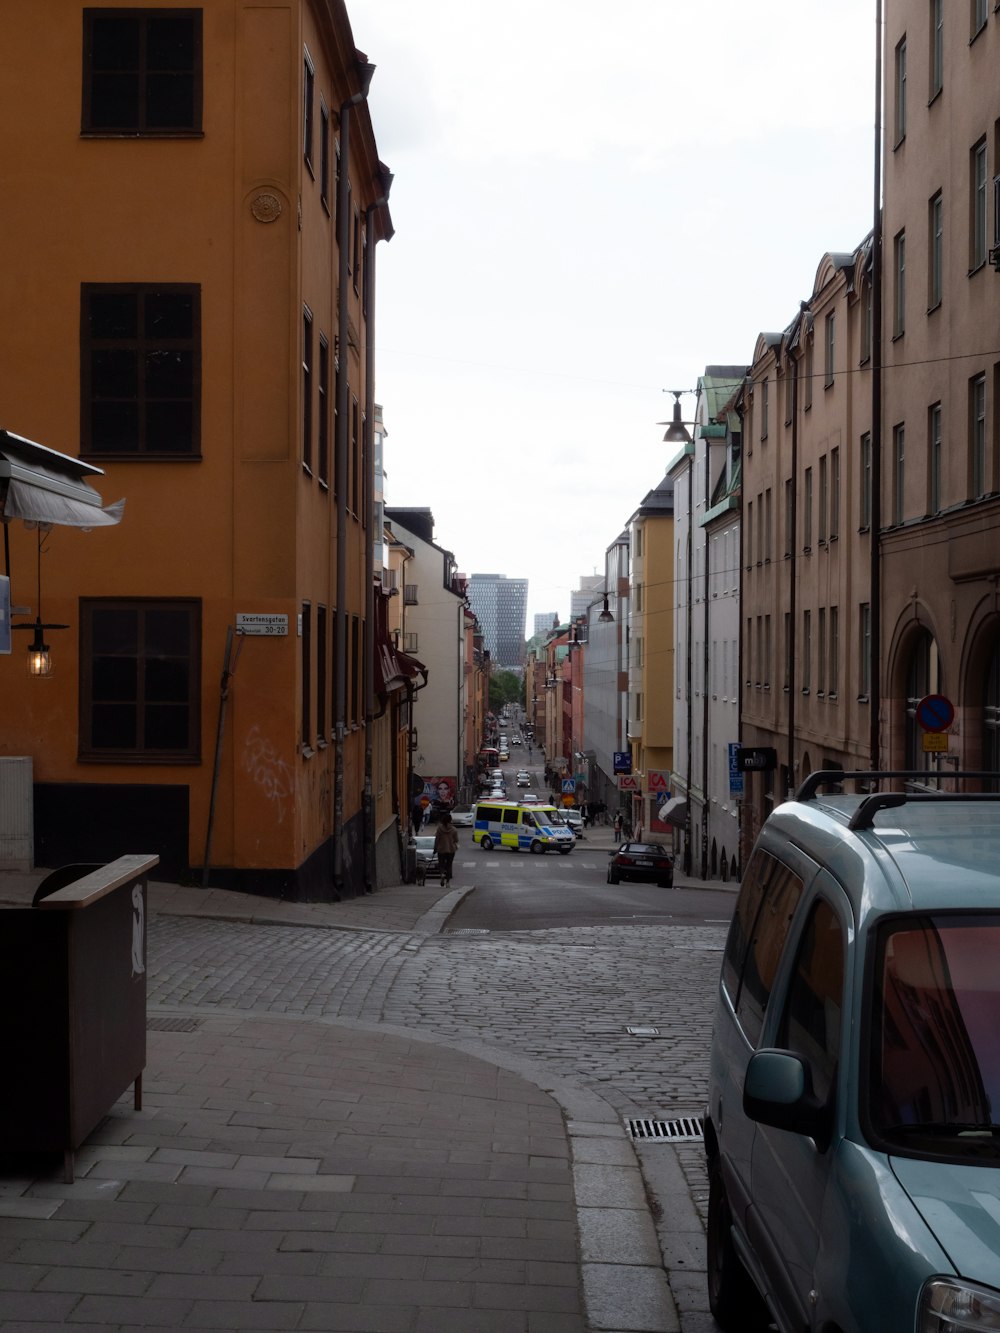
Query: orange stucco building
x=192, y=220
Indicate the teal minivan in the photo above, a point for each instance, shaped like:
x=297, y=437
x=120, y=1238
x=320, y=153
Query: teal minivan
x=852, y=1129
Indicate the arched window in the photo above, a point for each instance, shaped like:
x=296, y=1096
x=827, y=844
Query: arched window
x=922, y=678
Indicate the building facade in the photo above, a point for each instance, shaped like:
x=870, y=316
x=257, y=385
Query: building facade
x=206, y=338
x=606, y=698
x=500, y=605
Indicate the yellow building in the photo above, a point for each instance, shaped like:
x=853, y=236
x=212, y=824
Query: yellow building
x=194, y=214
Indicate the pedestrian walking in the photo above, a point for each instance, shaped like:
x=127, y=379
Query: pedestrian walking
x=618, y=828
x=445, y=846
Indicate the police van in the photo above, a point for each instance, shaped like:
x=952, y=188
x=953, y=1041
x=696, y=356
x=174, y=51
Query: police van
x=523, y=828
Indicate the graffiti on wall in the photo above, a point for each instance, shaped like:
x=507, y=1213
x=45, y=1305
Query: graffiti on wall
x=267, y=769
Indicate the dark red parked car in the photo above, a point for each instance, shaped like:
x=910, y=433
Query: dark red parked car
x=647, y=861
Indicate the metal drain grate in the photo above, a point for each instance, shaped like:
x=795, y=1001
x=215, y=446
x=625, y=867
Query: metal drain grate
x=468, y=930
x=165, y=1024
x=685, y=1129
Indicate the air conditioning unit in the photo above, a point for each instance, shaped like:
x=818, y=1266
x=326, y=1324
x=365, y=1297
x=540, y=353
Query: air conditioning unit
x=17, y=814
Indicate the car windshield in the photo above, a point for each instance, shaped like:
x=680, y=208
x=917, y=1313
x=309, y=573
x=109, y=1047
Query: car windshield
x=644, y=849
x=934, y=1067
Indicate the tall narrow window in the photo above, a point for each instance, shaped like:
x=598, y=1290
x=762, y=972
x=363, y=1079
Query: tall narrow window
x=789, y=513
x=978, y=11
x=834, y=494
x=807, y=648
x=833, y=672
x=977, y=435
x=864, y=651
x=307, y=738
x=307, y=388
x=355, y=460
x=142, y=72
x=821, y=651
x=323, y=410
x=934, y=457
x=865, y=481
x=764, y=407
x=977, y=206
x=788, y=651
x=308, y=93
x=807, y=511
x=830, y=359
x=935, y=251
x=901, y=90
x=324, y=154
x=899, y=301
x=322, y=681
x=807, y=384
x=898, y=473
x=357, y=670
x=767, y=652
x=937, y=48
x=768, y=519
x=824, y=485
x=866, y=324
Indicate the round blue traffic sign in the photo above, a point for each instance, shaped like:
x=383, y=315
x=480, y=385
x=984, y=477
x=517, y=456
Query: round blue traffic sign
x=935, y=713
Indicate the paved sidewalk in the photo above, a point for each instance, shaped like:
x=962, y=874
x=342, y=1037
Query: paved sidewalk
x=290, y=1173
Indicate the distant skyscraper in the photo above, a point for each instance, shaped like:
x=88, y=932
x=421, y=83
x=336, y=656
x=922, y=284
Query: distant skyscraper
x=500, y=605
x=582, y=597
x=544, y=620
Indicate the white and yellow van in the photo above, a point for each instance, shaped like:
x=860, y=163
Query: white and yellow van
x=532, y=828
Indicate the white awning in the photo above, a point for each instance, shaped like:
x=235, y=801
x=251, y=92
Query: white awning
x=673, y=812
x=40, y=485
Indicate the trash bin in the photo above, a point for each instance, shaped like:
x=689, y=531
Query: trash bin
x=73, y=1005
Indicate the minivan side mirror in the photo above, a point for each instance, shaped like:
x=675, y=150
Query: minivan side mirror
x=778, y=1091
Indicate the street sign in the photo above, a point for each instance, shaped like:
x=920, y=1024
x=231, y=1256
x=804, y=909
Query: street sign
x=657, y=780
x=935, y=742
x=756, y=759
x=568, y=786
x=262, y=624
x=735, y=775
x=628, y=782
x=623, y=761
x=935, y=713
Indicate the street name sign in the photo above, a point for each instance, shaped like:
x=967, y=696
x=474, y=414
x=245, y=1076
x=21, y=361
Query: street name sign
x=262, y=624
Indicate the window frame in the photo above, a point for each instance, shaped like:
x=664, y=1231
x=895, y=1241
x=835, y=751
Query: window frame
x=87, y=751
x=935, y=250
x=141, y=345
x=900, y=91
x=978, y=177
x=137, y=129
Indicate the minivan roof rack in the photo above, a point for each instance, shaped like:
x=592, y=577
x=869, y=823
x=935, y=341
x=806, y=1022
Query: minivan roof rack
x=823, y=777
x=864, y=815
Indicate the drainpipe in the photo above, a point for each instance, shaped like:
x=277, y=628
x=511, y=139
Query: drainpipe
x=793, y=579
x=368, y=280
x=875, y=572
x=690, y=655
x=342, y=442
x=705, y=807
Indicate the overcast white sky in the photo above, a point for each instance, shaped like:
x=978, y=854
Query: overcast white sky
x=592, y=202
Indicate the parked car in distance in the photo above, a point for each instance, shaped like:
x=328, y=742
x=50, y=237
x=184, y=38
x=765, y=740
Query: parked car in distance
x=523, y=780
x=528, y=798
x=463, y=816
x=851, y=1129
x=647, y=862
x=575, y=820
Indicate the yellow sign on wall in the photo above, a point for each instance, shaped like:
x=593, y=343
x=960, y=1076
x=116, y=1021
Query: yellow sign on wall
x=935, y=742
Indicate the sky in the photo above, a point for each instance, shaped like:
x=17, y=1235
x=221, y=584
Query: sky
x=592, y=202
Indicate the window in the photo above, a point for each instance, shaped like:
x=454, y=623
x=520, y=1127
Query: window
x=767, y=652
x=324, y=154
x=306, y=637
x=788, y=652
x=935, y=251
x=899, y=302
x=357, y=671
x=355, y=461
x=977, y=15
x=937, y=48
x=356, y=250
x=768, y=519
x=901, y=90
x=811, y=1020
x=749, y=545
x=307, y=402
x=308, y=95
x=934, y=456
x=864, y=650
x=789, y=512
x=824, y=497
x=977, y=207
x=833, y=671
x=898, y=473
x=830, y=348
x=807, y=629
x=808, y=385
x=140, y=680
x=977, y=436
x=807, y=511
x=142, y=71
x=788, y=385
x=865, y=487
x=140, y=369
x=764, y=911
x=821, y=651
x=323, y=408
x=834, y=494
x=866, y=323
x=409, y=594
x=764, y=408
x=321, y=675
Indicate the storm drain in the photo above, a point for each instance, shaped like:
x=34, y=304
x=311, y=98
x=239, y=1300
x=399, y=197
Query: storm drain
x=165, y=1024
x=642, y=1030
x=468, y=930
x=685, y=1129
